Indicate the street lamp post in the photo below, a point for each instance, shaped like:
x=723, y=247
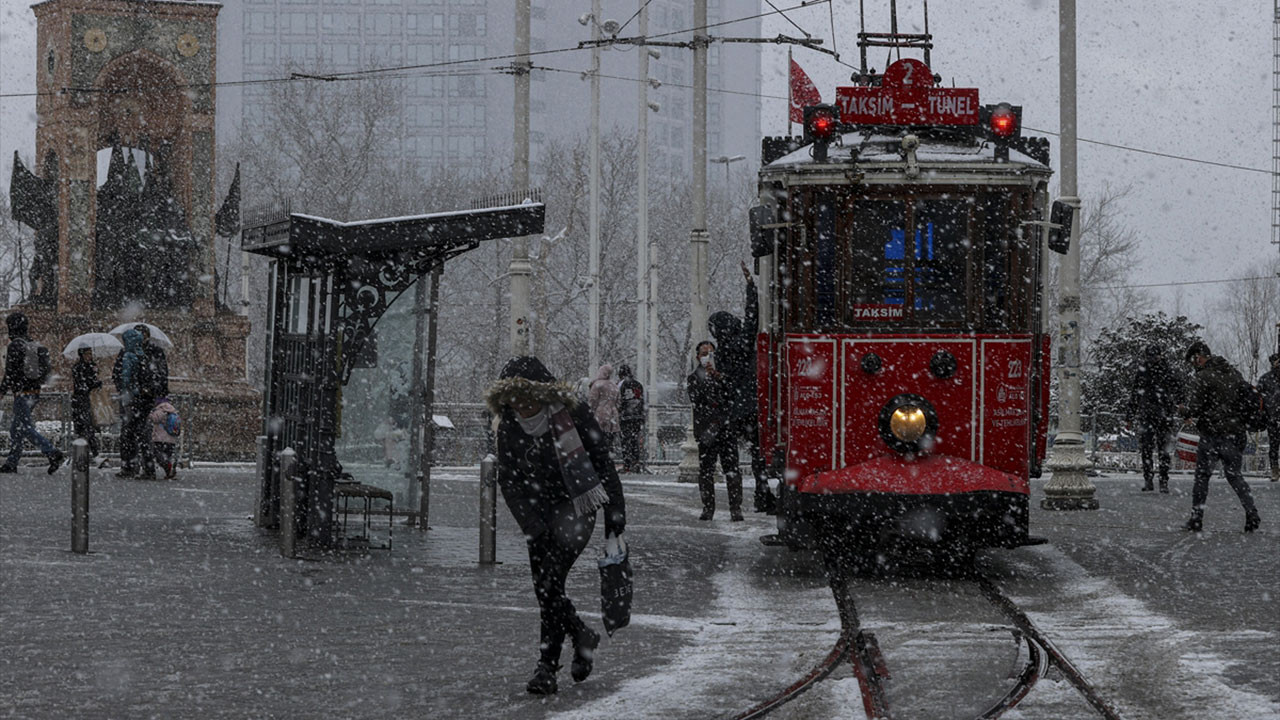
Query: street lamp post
x=698, y=283
x=725, y=160
x=1069, y=488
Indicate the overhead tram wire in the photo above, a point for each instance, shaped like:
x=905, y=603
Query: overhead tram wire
x=1157, y=153
x=634, y=15
x=722, y=91
x=788, y=19
x=1175, y=284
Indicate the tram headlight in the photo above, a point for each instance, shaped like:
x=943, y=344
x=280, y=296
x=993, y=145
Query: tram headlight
x=908, y=422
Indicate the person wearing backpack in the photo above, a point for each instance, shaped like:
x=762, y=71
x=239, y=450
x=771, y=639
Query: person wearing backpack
x=26, y=368
x=166, y=426
x=1213, y=400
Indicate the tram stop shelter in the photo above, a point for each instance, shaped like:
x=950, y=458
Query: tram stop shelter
x=330, y=282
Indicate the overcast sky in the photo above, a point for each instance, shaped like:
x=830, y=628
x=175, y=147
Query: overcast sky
x=1189, y=79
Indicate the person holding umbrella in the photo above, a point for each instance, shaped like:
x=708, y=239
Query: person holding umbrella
x=84, y=380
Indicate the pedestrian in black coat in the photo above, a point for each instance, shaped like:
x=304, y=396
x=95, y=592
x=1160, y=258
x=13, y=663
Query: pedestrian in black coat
x=1213, y=400
x=1269, y=388
x=1153, y=405
x=84, y=380
x=554, y=471
x=631, y=418
x=736, y=361
x=713, y=428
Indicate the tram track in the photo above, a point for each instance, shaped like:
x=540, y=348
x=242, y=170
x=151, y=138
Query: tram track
x=860, y=649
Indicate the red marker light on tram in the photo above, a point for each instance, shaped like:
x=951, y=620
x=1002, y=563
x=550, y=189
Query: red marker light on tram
x=1004, y=123
x=823, y=126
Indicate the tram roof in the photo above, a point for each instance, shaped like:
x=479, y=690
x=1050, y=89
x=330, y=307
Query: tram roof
x=886, y=147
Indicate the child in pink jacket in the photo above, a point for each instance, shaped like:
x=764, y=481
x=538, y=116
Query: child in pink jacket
x=164, y=435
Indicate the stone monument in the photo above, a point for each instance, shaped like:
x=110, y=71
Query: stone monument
x=138, y=77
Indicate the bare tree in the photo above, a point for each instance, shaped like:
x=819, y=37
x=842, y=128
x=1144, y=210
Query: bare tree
x=1107, y=250
x=16, y=249
x=1244, y=330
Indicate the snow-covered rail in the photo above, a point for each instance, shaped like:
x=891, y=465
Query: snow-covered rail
x=861, y=650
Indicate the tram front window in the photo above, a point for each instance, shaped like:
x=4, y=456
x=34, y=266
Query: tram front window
x=906, y=266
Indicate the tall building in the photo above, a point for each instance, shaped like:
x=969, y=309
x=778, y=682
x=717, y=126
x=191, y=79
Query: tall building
x=461, y=115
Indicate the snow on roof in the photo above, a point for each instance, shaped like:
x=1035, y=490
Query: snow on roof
x=882, y=147
x=409, y=218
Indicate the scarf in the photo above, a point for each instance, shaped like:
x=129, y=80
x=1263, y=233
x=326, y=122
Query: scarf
x=580, y=479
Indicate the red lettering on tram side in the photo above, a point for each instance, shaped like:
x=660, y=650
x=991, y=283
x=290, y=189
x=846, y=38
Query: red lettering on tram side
x=1006, y=405
x=810, y=406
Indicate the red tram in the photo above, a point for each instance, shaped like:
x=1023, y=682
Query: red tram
x=903, y=363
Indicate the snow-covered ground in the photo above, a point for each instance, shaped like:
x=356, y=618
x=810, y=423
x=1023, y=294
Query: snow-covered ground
x=184, y=609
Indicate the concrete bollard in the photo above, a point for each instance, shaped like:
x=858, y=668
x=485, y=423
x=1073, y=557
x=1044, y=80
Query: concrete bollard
x=488, y=510
x=80, y=496
x=288, y=504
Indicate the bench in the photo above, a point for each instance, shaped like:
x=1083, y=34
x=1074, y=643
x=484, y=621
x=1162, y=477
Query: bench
x=344, y=491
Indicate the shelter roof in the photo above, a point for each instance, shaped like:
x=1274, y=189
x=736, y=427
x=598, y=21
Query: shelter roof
x=316, y=240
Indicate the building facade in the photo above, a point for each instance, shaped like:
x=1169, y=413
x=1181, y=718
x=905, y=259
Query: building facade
x=461, y=115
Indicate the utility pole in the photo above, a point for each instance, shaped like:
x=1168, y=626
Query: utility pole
x=698, y=233
x=593, y=261
x=520, y=269
x=644, y=358
x=1069, y=488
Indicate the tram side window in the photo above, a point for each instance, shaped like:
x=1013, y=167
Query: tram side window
x=1005, y=265
x=941, y=253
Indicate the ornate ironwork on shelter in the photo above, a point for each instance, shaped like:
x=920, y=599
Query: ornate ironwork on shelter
x=331, y=282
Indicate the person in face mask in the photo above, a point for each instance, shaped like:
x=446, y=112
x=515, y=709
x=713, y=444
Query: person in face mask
x=712, y=430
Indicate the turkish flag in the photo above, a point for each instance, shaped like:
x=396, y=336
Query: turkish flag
x=803, y=93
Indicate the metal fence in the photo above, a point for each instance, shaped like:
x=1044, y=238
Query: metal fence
x=52, y=416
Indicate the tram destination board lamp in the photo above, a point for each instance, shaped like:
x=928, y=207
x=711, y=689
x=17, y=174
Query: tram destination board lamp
x=1069, y=487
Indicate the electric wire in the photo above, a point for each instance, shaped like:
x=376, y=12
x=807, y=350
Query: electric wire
x=793, y=22
x=634, y=15
x=1173, y=284
x=1157, y=153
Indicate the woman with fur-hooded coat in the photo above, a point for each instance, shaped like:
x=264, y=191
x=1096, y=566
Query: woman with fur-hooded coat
x=554, y=471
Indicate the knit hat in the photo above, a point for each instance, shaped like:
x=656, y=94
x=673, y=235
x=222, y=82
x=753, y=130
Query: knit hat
x=17, y=324
x=1197, y=348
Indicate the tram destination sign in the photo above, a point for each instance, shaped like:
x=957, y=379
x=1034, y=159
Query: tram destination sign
x=907, y=96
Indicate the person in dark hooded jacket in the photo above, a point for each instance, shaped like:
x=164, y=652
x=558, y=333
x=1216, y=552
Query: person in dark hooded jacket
x=736, y=361
x=1212, y=399
x=1153, y=403
x=1269, y=387
x=25, y=385
x=136, y=402
x=554, y=471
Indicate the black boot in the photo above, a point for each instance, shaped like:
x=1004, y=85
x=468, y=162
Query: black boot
x=1195, y=523
x=707, y=513
x=585, y=642
x=1147, y=486
x=55, y=461
x=1164, y=484
x=543, y=681
x=1251, y=521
